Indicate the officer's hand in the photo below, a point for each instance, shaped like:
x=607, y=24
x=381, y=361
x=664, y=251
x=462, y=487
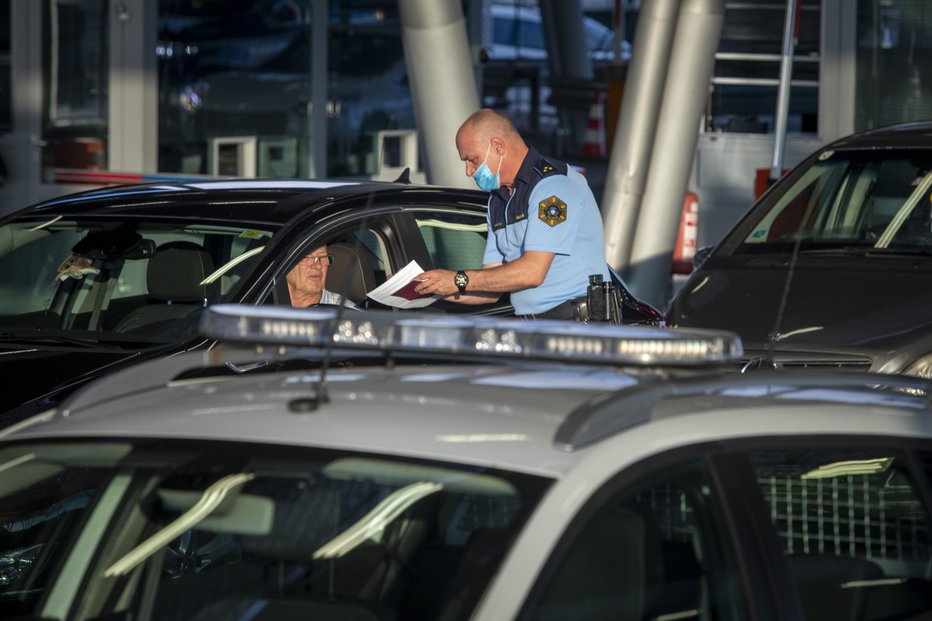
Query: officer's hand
x=436, y=282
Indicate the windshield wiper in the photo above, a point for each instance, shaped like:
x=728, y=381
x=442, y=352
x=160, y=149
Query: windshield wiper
x=41, y=337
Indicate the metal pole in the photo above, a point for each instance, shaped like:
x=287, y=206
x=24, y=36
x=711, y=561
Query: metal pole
x=443, y=86
x=626, y=175
x=320, y=21
x=698, y=28
x=783, y=92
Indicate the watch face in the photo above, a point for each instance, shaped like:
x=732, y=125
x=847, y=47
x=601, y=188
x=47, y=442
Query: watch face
x=460, y=280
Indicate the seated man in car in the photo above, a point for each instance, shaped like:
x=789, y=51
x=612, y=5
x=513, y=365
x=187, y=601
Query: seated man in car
x=307, y=279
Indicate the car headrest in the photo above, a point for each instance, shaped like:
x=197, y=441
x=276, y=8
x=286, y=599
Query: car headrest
x=350, y=274
x=176, y=271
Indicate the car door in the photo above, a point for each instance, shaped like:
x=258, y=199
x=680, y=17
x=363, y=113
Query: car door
x=788, y=528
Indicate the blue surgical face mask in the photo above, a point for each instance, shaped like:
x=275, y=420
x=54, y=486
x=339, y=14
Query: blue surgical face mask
x=483, y=175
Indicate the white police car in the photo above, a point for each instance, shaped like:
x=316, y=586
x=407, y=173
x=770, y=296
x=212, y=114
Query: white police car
x=533, y=470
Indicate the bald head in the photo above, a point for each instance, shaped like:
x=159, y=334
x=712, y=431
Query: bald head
x=489, y=134
x=487, y=123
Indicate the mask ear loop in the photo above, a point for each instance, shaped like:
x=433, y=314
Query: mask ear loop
x=500, y=159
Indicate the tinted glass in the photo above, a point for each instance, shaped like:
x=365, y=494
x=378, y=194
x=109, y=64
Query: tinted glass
x=213, y=531
x=892, y=72
x=654, y=552
x=242, y=69
x=76, y=38
x=855, y=534
x=121, y=283
x=454, y=240
x=870, y=200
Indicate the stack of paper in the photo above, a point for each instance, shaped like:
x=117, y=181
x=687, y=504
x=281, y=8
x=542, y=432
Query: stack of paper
x=398, y=291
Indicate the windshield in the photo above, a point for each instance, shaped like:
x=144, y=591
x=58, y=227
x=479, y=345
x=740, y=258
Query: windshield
x=129, y=282
x=206, y=530
x=876, y=201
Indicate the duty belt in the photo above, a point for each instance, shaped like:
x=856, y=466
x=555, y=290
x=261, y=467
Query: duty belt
x=576, y=310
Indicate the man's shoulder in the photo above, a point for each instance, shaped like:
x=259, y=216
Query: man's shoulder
x=547, y=167
x=329, y=297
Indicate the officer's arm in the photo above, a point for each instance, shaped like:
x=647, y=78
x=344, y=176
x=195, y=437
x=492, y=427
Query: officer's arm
x=527, y=271
x=487, y=285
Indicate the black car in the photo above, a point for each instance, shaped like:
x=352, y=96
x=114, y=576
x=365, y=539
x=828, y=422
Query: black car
x=94, y=281
x=833, y=265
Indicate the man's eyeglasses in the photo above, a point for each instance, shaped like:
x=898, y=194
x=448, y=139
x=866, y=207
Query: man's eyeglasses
x=323, y=259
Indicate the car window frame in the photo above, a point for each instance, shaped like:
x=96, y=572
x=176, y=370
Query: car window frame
x=309, y=231
x=633, y=477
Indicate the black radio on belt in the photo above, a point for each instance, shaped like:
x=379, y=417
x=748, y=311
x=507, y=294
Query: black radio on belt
x=598, y=298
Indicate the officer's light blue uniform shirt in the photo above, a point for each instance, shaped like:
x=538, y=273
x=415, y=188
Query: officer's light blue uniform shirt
x=553, y=210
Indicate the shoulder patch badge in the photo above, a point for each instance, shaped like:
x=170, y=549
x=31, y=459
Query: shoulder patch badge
x=552, y=211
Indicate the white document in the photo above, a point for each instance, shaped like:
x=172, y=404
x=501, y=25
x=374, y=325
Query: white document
x=398, y=291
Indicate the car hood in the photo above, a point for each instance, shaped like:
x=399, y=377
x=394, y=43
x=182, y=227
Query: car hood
x=848, y=307
x=37, y=377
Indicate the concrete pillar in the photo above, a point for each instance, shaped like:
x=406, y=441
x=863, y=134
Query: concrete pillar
x=568, y=59
x=570, y=56
x=698, y=29
x=133, y=93
x=637, y=123
x=443, y=87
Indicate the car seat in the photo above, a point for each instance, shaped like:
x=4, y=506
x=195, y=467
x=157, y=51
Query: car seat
x=350, y=274
x=174, y=279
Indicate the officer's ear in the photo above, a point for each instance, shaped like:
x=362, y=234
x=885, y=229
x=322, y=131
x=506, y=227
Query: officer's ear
x=498, y=145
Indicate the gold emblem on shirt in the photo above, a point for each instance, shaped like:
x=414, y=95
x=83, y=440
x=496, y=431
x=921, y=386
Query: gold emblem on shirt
x=552, y=211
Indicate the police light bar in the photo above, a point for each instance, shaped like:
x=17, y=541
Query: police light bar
x=491, y=337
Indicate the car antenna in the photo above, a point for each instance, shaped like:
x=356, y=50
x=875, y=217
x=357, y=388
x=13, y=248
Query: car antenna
x=405, y=176
x=320, y=395
x=775, y=334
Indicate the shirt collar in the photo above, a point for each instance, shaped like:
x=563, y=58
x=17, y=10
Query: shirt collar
x=524, y=175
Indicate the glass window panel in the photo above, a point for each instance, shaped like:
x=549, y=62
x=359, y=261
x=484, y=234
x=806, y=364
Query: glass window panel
x=854, y=531
x=302, y=533
x=454, y=240
x=894, y=63
x=76, y=77
x=58, y=276
x=746, y=74
x=228, y=73
x=656, y=551
x=852, y=198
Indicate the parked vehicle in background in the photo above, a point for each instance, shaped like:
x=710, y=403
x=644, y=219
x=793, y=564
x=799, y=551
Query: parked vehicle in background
x=832, y=267
x=534, y=470
x=97, y=280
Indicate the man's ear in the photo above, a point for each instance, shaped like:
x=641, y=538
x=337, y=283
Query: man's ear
x=498, y=144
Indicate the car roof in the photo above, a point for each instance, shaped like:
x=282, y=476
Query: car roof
x=541, y=419
x=902, y=135
x=268, y=201
x=515, y=416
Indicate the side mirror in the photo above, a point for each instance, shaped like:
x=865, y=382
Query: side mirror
x=701, y=255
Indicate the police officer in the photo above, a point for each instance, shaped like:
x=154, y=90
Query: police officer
x=545, y=229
